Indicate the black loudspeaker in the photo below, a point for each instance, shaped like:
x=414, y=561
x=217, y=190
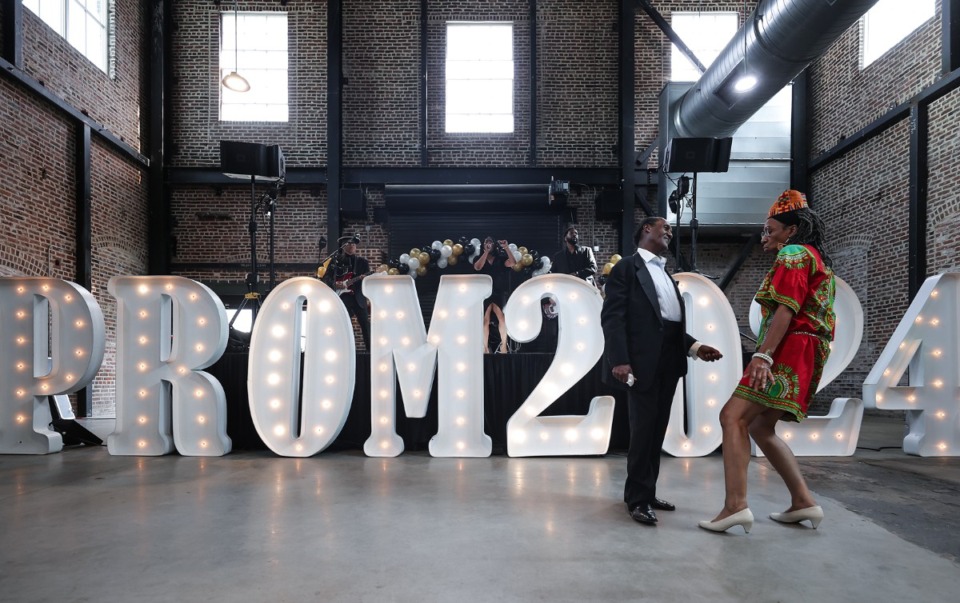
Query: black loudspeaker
x=609, y=205
x=697, y=155
x=252, y=159
x=353, y=203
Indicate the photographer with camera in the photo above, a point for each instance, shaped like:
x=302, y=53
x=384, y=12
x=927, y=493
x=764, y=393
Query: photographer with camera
x=496, y=262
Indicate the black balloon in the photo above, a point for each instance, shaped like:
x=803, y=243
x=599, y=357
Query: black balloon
x=435, y=254
x=403, y=268
x=538, y=263
x=469, y=249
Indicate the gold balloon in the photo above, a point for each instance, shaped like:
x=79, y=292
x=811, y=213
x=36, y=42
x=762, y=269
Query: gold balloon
x=421, y=270
x=393, y=272
x=607, y=268
x=424, y=258
x=522, y=250
x=527, y=259
x=457, y=250
x=452, y=260
x=321, y=270
x=448, y=242
x=615, y=258
x=415, y=252
x=383, y=268
x=517, y=267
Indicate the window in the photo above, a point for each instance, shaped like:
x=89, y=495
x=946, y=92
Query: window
x=890, y=21
x=82, y=22
x=261, y=58
x=479, y=77
x=706, y=34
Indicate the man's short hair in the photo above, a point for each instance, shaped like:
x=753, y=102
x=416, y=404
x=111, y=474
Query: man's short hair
x=648, y=221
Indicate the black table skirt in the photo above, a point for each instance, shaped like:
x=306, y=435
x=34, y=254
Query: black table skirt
x=508, y=380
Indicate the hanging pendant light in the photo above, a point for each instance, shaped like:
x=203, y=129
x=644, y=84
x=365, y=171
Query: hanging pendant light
x=233, y=80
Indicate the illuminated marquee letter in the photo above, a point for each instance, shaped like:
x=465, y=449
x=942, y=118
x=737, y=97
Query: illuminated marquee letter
x=579, y=346
x=837, y=432
x=926, y=342
x=167, y=328
x=29, y=371
x=710, y=319
x=286, y=426
x=398, y=334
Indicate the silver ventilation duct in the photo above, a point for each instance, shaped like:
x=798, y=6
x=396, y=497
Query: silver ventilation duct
x=779, y=39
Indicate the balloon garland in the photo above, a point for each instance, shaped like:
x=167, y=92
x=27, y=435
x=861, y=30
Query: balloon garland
x=441, y=254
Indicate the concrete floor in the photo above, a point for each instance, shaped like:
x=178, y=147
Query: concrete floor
x=84, y=526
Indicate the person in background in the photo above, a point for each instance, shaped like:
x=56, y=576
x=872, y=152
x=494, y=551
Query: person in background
x=574, y=259
x=646, y=348
x=343, y=275
x=496, y=262
x=797, y=325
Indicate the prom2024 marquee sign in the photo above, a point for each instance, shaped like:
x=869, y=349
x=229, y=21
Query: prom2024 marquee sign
x=170, y=328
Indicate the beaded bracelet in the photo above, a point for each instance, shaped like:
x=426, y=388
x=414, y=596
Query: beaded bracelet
x=765, y=357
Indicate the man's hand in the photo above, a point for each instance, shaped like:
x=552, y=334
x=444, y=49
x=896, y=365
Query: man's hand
x=622, y=372
x=709, y=353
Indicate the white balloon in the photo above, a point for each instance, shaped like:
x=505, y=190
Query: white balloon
x=404, y=258
x=512, y=246
x=446, y=251
x=437, y=245
x=442, y=263
x=414, y=263
x=517, y=255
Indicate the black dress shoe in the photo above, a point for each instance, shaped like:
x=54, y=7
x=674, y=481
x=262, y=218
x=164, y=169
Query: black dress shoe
x=644, y=514
x=659, y=503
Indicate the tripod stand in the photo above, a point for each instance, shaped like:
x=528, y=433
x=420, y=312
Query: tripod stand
x=252, y=296
x=694, y=225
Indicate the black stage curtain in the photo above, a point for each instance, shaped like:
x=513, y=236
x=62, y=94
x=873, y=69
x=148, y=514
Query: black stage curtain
x=508, y=380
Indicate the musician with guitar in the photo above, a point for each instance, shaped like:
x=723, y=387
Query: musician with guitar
x=344, y=273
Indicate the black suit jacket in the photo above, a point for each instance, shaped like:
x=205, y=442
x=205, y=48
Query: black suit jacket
x=632, y=326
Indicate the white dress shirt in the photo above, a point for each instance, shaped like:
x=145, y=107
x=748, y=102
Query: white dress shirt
x=666, y=293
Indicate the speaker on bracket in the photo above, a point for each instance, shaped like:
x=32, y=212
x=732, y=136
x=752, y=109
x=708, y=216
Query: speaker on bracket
x=609, y=205
x=697, y=155
x=353, y=203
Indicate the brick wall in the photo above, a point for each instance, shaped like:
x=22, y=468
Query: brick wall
x=864, y=196
x=195, y=126
x=38, y=174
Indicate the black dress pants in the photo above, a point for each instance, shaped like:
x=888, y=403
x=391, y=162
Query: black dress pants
x=649, y=412
x=358, y=310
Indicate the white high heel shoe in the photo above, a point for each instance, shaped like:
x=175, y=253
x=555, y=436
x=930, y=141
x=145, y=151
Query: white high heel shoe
x=813, y=514
x=740, y=518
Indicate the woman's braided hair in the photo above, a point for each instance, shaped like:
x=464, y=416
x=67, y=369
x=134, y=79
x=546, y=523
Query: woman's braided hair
x=810, y=230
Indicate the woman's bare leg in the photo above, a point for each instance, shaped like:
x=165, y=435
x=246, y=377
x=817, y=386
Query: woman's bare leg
x=735, y=417
x=763, y=430
x=502, y=326
x=486, y=329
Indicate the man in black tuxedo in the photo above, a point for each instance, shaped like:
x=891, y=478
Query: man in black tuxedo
x=347, y=266
x=646, y=348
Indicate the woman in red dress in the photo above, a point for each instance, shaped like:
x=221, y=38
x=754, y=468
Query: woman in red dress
x=797, y=326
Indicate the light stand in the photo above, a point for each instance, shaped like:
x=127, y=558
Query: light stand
x=694, y=227
x=270, y=209
x=252, y=296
